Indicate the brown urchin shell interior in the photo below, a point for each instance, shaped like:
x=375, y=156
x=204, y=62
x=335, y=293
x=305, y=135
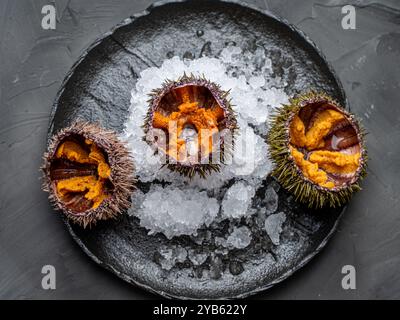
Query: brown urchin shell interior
x=80, y=174
x=325, y=144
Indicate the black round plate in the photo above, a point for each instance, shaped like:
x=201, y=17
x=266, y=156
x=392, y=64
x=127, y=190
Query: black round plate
x=98, y=89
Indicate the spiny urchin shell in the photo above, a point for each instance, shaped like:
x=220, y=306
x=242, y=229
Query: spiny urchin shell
x=345, y=138
x=182, y=101
x=119, y=183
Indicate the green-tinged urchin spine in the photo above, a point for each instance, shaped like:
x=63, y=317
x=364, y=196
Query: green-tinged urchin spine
x=288, y=173
x=230, y=122
x=121, y=177
x=190, y=171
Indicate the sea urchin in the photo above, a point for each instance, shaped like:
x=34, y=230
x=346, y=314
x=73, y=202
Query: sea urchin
x=318, y=150
x=196, y=122
x=88, y=173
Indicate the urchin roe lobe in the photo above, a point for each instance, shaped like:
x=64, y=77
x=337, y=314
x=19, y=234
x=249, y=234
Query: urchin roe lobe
x=80, y=173
x=191, y=116
x=324, y=143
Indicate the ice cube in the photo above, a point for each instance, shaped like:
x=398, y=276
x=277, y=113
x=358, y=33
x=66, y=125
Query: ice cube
x=240, y=238
x=273, y=226
x=257, y=81
x=237, y=200
x=170, y=256
x=197, y=258
x=271, y=200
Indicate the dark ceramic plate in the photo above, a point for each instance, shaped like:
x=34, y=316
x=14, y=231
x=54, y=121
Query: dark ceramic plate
x=98, y=89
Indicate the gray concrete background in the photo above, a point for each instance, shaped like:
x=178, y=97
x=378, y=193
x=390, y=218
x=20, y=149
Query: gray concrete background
x=33, y=63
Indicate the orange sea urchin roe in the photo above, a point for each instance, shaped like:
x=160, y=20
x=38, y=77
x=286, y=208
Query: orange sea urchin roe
x=311, y=170
x=91, y=186
x=320, y=162
x=72, y=151
x=336, y=162
x=205, y=121
x=297, y=132
x=321, y=127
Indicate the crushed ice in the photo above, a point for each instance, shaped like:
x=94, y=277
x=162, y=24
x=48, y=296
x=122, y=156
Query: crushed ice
x=180, y=206
x=273, y=226
x=169, y=256
x=239, y=238
x=237, y=200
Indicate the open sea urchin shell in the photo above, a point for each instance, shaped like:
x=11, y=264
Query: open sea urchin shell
x=318, y=150
x=88, y=173
x=198, y=123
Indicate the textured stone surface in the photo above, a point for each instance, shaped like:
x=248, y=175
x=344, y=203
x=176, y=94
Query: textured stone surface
x=34, y=63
